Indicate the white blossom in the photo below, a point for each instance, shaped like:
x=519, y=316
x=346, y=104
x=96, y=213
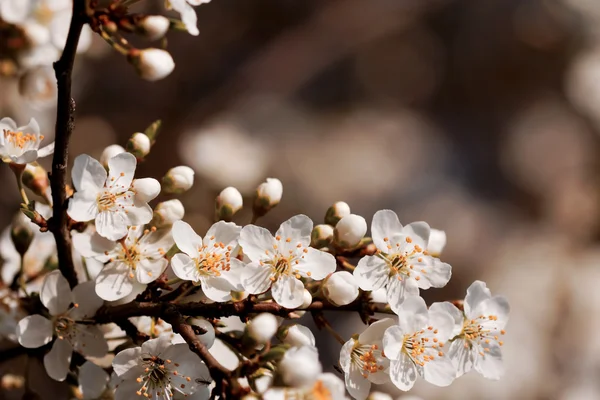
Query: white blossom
x=279, y=262
x=35, y=330
x=416, y=345
x=297, y=335
x=478, y=331
x=114, y=200
x=209, y=262
x=268, y=195
x=168, y=212
x=402, y=264
x=289, y=367
x=109, y=152
x=340, y=288
x=437, y=242
x=350, y=230
x=188, y=14
x=328, y=386
x=139, y=258
x=154, y=64
x=93, y=380
x=363, y=362
x=336, y=212
x=139, y=145
x=262, y=327
x=158, y=370
x=155, y=26
x=21, y=145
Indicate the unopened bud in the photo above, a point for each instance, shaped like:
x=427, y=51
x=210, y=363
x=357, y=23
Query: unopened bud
x=300, y=367
x=178, y=180
x=21, y=233
x=109, y=152
x=306, y=301
x=437, y=242
x=349, y=231
x=154, y=27
x=268, y=195
x=152, y=64
x=227, y=203
x=262, y=327
x=139, y=145
x=208, y=336
x=336, y=212
x=167, y=212
x=296, y=335
x=340, y=288
x=36, y=179
x=321, y=236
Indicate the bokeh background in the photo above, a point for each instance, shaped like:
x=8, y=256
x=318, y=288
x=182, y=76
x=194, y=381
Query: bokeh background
x=480, y=117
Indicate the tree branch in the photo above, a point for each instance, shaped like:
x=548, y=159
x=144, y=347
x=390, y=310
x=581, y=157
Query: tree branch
x=65, y=119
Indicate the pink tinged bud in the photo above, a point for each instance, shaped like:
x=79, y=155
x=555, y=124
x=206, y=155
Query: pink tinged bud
x=336, y=212
x=139, y=145
x=268, y=195
x=262, y=327
x=167, y=212
x=153, y=64
x=340, y=288
x=154, y=27
x=227, y=203
x=109, y=152
x=178, y=180
x=350, y=230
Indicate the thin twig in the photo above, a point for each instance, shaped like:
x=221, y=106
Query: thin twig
x=65, y=121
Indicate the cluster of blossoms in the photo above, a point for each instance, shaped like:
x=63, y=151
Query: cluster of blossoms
x=124, y=299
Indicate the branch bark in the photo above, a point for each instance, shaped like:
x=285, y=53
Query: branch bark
x=65, y=120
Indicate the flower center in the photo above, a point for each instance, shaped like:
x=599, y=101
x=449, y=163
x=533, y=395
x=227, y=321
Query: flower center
x=367, y=358
x=284, y=257
x=64, y=327
x=481, y=329
x=213, y=259
x=156, y=378
x=320, y=392
x=20, y=139
x=423, y=346
x=400, y=257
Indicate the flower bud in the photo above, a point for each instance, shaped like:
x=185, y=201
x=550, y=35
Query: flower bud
x=268, y=195
x=296, y=335
x=207, y=338
x=139, y=145
x=152, y=64
x=306, y=301
x=261, y=380
x=109, y=152
x=227, y=203
x=300, y=367
x=379, y=396
x=262, y=327
x=437, y=242
x=21, y=233
x=350, y=230
x=178, y=180
x=321, y=236
x=167, y=212
x=154, y=27
x=36, y=179
x=340, y=288
x=38, y=87
x=336, y=212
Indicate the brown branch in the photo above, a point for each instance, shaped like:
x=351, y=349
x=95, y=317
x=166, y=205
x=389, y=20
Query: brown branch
x=65, y=120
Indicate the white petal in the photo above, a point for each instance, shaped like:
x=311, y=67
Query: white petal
x=89, y=341
x=357, y=386
x=476, y=293
x=437, y=273
x=374, y=333
x=92, y=380
x=86, y=300
x=93, y=245
x=463, y=358
x=398, y=291
x=126, y=360
x=82, y=207
x=184, y=267
x=156, y=346
x=316, y=262
x=298, y=229
x=113, y=282
x=140, y=213
x=418, y=232
x=288, y=291
x=121, y=169
x=393, y=340
x=490, y=364
x=403, y=373
x=127, y=389
x=149, y=270
x=190, y=366
x=146, y=189
x=255, y=241
x=497, y=306
x=413, y=314
x=88, y=174
x=188, y=15
x=256, y=278
x=439, y=371
x=454, y=312
x=345, y=353
x=112, y=225
x=224, y=232
x=443, y=322
x=371, y=273
x=34, y=331
x=58, y=359
x=56, y=294
x=186, y=239
x=28, y=156
x=217, y=289
x=437, y=242
x=385, y=225
x=46, y=150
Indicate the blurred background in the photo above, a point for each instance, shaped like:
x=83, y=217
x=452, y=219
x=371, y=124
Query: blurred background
x=480, y=117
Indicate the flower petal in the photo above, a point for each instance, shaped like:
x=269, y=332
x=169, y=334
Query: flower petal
x=439, y=371
x=112, y=224
x=88, y=174
x=403, y=373
x=140, y=213
x=413, y=314
x=374, y=332
x=418, y=232
x=56, y=293
x=316, y=264
x=298, y=229
x=82, y=207
x=356, y=384
x=217, y=289
x=476, y=293
x=371, y=273
x=188, y=15
x=34, y=331
x=149, y=270
x=93, y=246
x=113, y=282
x=86, y=301
x=490, y=364
x=92, y=380
x=184, y=267
x=454, y=312
x=255, y=240
x=385, y=225
x=432, y=273
x=46, y=150
x=186, y=239
x=126, y=359
x=89, y=341
x=190, y=366
x=345, y=355
x=146, y=189
x=462, y=356
x=121, y=169
x=288, y=291
x=57, y=361
x=397, y=291
x=256, y=278
x=497, y=306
